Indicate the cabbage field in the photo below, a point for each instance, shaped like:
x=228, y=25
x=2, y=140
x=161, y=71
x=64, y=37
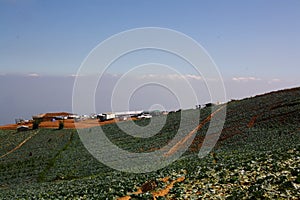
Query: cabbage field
x=256, y=157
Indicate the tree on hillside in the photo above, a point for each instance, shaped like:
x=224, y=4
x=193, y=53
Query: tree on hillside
x=36, y=124
x=61, y=125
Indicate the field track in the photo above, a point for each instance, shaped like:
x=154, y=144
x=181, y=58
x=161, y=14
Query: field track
x=19, y=145
x=193, y=132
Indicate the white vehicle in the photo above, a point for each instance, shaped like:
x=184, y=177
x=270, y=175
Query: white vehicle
x=106, y=116
x=145, y=116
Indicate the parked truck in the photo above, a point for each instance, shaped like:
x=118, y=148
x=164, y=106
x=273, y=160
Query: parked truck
x=106, y=116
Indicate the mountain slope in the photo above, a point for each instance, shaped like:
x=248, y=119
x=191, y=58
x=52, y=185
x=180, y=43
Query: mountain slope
x=257, y=156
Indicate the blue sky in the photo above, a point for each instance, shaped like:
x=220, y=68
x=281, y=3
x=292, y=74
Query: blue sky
x=255, y=44
x=245, y=38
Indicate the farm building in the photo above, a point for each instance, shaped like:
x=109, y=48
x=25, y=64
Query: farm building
x=128, y=113
x=52, y=116
x=106, y=116
x=122, y=116
x=22, y=121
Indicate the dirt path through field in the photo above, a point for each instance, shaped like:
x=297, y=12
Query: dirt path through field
x=254, y=118
x=252, y=121
x=194, y=131
x=159, y=193
x=19, y=145
x=163, y=192
x=166, y=190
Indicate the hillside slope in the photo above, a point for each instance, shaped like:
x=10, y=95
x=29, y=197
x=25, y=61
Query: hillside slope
x=257, y=156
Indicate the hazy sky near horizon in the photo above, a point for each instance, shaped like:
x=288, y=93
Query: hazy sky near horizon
x=255, y=44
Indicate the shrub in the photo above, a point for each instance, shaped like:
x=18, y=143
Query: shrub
x=61, y=125
x=36, y=124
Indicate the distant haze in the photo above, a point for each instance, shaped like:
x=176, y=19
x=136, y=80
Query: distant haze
x=27, y=95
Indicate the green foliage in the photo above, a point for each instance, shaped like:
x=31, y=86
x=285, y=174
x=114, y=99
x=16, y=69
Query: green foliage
x=61, y=125
x=257, y=162
x=36, y=124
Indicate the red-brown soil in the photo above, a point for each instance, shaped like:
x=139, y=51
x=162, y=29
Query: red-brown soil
x=193, y=132
x=155, y=191
x=68, y=124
